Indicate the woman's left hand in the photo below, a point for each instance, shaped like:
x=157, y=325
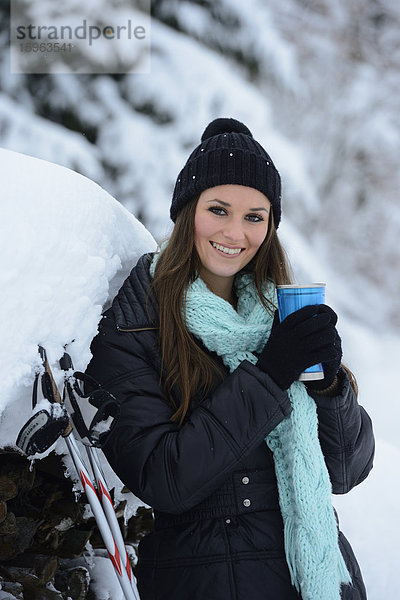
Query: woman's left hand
x=331, y=367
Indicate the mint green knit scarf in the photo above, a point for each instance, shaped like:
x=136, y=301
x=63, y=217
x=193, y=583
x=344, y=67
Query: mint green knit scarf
x=316, y=565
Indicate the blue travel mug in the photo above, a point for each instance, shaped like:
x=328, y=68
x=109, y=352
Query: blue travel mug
x=295, y=296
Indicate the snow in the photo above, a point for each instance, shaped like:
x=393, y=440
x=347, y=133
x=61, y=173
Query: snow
x=375, y=540
x=30, y=132
x=103, y=580
x=65, y=248
x=317, y=83
x=369, y=515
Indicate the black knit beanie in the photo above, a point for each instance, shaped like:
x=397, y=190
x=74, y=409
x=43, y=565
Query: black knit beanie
x=228, y=153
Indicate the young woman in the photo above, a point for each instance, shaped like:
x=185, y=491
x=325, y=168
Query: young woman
x=237, y=457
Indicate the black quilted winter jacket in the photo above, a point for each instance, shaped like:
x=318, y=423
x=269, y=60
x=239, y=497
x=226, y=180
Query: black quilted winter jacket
x=218, y=528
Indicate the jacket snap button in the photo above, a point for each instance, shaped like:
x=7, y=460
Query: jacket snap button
x=245, y=480
x=246, y=502
x=227, y=521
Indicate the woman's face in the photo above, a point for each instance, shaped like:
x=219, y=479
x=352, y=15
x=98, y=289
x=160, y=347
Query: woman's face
x=231, y=222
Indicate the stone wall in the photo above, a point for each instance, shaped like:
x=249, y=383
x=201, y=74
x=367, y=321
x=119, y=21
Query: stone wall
x=43, y=532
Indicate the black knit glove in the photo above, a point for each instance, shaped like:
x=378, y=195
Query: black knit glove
x=331, y=368
x=306, y=337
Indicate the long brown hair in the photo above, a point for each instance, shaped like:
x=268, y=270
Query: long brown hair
x=188, y=368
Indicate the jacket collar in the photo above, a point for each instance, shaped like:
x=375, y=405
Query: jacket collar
x=135, y=306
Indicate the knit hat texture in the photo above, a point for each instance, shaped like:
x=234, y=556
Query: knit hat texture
x=227, y=154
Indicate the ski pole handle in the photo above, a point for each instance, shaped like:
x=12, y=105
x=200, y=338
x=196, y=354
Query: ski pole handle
x=101, y=520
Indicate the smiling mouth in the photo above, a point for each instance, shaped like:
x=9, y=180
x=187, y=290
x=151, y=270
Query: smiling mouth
x=225, y=250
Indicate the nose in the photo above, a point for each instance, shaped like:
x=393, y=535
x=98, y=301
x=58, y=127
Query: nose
x=233, y=231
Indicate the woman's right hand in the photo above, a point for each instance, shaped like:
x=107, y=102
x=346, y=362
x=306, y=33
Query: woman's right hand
x=305, y=338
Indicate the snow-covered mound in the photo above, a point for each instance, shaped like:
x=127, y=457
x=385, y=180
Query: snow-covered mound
x=66, y=245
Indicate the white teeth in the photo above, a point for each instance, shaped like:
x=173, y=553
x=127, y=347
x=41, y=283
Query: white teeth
x=226, y=250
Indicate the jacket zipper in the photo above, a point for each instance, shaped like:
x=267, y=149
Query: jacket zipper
x=123, y=330
x=229, y=566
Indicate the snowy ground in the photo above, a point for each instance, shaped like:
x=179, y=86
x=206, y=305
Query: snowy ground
x=66, y=246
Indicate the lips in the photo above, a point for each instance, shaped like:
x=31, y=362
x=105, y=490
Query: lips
x=226, y=250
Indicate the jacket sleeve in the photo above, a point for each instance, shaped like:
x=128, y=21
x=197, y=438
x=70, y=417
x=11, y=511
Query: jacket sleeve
x=346, y=437
x=173, y=468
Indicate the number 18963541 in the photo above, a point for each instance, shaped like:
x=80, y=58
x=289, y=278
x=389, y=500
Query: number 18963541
x=45, y=47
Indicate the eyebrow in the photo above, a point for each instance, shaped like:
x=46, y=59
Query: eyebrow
x=227, y=204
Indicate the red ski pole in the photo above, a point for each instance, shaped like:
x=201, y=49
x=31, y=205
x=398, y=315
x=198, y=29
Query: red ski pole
x=101, y=520
x=74, y=393
x=111, y=517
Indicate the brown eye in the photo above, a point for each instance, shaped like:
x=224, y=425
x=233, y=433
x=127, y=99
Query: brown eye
x=217, y=210
x=255, y=218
